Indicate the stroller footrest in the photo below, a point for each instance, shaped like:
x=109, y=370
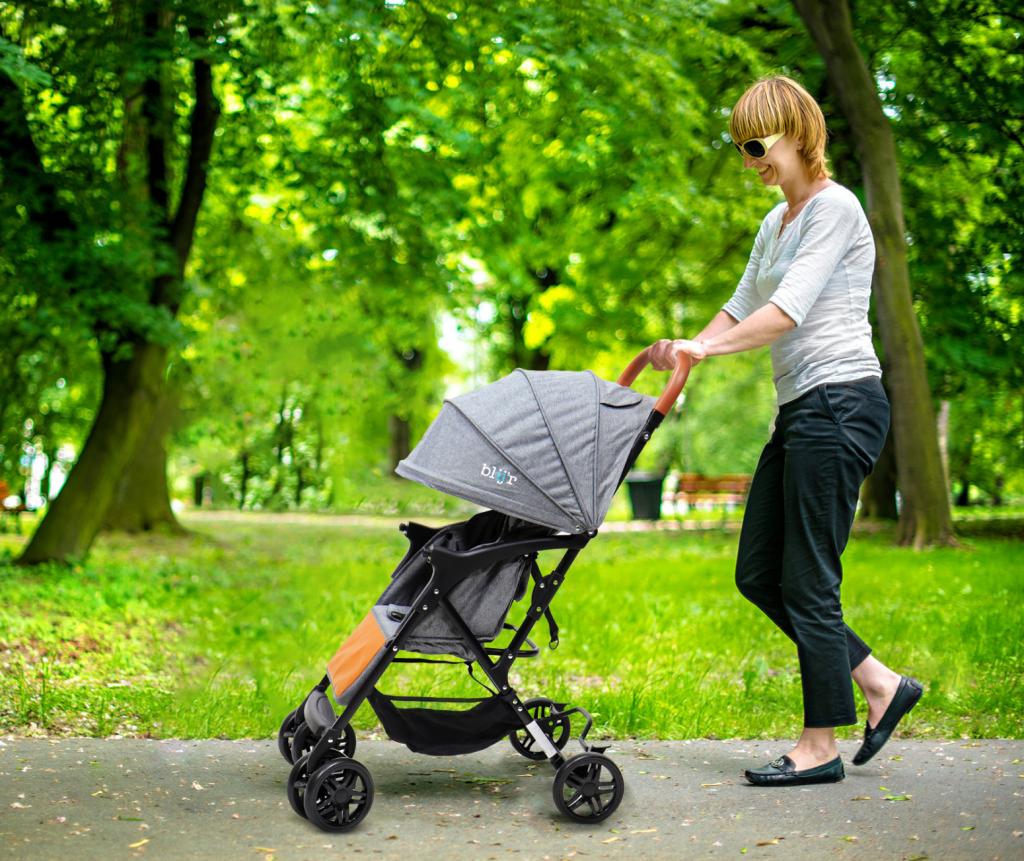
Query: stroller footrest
x=318, y=712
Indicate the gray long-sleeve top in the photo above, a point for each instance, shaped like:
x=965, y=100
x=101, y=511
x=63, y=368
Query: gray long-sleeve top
x=818, y=271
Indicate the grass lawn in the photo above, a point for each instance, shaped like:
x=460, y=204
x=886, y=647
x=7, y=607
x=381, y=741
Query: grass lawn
x=219, y=634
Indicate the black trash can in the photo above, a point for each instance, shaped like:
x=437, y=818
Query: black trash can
x=645, y=494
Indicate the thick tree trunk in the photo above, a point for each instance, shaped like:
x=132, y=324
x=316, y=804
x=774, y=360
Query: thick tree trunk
x=925, y=516
x=141, y=500
x=131, y=389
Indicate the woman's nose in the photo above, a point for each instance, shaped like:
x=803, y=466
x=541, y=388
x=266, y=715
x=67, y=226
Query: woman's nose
x=748, y=161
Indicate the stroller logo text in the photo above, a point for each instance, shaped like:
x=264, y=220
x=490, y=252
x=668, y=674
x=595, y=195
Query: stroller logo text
x=502, y=476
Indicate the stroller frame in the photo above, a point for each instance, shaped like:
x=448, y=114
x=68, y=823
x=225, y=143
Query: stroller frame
x=328, y=767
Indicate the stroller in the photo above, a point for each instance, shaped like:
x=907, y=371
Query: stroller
x=545, y=451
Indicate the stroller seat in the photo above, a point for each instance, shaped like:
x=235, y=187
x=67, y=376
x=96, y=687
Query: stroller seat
x=482, y=599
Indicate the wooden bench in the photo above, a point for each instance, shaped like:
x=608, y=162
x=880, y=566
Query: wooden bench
x=10, y=509
x=707, y=492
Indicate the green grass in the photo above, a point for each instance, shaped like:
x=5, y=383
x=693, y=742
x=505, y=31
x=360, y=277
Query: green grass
x=221, y=633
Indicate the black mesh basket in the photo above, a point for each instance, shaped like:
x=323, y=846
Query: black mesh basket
x=443, y=732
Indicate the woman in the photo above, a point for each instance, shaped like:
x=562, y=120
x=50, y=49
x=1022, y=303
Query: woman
x=805, y=291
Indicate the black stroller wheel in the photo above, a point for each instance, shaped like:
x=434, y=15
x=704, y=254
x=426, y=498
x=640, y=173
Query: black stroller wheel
x=297, y=781
x=338, y=795
x=285, y=735
x=302, y=740
x=525, y=744
x=347, y=746
x=305, y=738
x=588, y=788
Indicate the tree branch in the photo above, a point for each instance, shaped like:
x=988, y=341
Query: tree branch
x=205, y=113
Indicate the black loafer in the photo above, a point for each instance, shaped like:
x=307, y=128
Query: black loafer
x=782, y=772
x=906, y=697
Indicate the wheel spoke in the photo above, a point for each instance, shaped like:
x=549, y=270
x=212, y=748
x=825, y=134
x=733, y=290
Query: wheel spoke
x=605, y=788
x=575, y=801
x=594, y=806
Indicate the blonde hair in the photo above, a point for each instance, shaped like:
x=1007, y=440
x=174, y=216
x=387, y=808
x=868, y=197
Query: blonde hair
x=780, y=104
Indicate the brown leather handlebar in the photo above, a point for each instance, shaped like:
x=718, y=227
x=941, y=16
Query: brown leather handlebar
x=675, y=382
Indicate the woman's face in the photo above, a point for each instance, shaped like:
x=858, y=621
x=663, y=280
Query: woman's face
x=781, y=164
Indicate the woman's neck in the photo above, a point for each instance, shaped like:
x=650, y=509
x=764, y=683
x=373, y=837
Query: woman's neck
x=800, y=189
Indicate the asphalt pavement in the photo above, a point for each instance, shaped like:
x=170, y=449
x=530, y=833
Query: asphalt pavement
x=214, y=799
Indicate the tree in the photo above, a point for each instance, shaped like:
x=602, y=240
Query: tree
x=925, y=517
x=133, y=312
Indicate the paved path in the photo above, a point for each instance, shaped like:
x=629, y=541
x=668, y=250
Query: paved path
x=108, y=799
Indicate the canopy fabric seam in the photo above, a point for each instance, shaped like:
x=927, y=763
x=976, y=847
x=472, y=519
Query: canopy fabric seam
x=588, y=515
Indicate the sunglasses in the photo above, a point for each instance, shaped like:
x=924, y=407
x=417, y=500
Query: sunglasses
x=758, y=147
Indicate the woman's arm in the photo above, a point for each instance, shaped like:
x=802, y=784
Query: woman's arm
x=721, y=322
x=727, y=336
x=766, y=324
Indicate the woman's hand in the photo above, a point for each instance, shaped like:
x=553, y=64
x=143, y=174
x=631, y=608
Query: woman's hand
x=664, y=353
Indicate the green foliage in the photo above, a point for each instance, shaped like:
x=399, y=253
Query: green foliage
x=553, y=179
x=223, y=633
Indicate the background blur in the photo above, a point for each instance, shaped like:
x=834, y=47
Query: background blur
x=270, y=237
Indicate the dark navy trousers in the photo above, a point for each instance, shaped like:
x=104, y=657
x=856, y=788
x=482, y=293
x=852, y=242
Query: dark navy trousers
x=798, y=517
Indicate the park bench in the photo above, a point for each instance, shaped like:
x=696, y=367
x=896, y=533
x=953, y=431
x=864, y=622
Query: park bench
x=9, y=508
x=706, y=492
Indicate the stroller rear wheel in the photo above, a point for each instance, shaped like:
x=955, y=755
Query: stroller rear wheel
x=285, y=735
x=305, y=737
x=302, y=741
x=338, y=795
x=539, y=709
x=588, y=788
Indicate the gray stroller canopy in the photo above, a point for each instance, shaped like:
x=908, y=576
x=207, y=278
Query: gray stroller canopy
x=545, y=446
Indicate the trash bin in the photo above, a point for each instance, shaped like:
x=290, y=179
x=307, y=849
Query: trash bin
x=645, y=494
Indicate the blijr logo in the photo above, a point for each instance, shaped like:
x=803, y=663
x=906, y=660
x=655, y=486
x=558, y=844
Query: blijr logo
x=501, y=476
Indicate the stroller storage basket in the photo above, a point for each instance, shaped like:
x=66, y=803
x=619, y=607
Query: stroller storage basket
x=443, y=732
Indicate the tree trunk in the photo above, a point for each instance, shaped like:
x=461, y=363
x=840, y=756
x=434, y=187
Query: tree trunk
x=942, y=430
x=400, y=440
x=131, y=389
x=399, y=426
x=925, y=517
x=243, y=484
x=141, y=501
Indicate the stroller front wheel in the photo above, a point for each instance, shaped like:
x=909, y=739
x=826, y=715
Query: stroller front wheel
x=338, y=795
x=297, y=781
x=588, y=788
